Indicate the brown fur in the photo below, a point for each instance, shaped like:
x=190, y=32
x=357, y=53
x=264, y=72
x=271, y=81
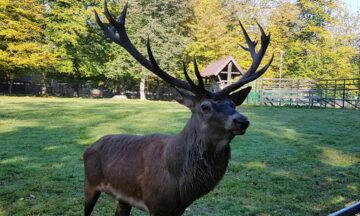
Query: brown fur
x=166, y=173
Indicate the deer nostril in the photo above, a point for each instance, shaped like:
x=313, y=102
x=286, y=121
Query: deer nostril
x=242, y=123
x=246, y=124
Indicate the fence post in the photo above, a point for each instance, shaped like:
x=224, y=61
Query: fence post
x=261, y=92
x=357, y=102
x=297, y=92
x=326, y=92
x=280, y=92
x=343, y=95
x=335, y=94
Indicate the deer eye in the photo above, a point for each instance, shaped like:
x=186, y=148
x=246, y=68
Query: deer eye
x=205, y=108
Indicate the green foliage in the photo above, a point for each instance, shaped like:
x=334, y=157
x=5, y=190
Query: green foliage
x=323, y=51
x=315, y=36
x=320, y=39
x=290, y=161
x=22, y=41
x=78, y=41
x=163, y=23
x=208, y=26
x=284, y=24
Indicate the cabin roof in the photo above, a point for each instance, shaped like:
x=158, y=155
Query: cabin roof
x=214, y=68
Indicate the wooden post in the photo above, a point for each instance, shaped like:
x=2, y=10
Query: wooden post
x=229, y=73
x=220, y=82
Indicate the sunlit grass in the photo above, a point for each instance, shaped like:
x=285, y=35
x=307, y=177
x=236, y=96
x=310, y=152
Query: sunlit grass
x=14, y=160
x=337, y=158
x=290, y=162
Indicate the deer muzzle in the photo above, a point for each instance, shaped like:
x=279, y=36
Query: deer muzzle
x=240, y=125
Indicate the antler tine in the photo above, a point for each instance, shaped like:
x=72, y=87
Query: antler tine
x=249, y=42
x=109, y=16
x=200, y=85
x=199, y=89
x=257, y=74
x=252, y=73
x=109, y=33
x=122, y=16
x=151, y=56
x=244, y=48
x=123, y=40
x=192, y=84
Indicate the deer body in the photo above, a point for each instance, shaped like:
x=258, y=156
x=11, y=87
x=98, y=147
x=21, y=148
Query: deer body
x=157, y=173
x=164, y=174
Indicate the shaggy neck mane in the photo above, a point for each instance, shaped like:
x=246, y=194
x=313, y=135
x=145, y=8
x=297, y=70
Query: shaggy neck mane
x=198, y=162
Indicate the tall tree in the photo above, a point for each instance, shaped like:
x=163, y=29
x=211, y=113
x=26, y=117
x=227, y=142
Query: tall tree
x=322, y=53
x=283, y=24
x=209, y=28
x=345, y=31
x=22, y=41
x=161, y=21
x=78, y=41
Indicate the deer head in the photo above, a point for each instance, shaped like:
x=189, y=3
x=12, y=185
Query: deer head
x=212, y=111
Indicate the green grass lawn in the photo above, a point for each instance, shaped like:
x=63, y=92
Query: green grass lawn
x=290, y=162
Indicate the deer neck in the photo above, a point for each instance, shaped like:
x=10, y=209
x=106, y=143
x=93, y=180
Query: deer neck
x=207, y=141
x=197, y=159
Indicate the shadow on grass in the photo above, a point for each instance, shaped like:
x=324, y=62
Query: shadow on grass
x=41, y=150
x=298, y=162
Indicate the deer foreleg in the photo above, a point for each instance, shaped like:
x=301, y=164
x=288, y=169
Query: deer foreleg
x=123, y=209
x=91, y=197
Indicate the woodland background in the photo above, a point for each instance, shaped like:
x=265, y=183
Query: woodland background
x=319, y=39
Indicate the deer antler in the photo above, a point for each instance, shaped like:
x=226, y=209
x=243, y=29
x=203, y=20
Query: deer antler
x=118, y=35
x=252, y=73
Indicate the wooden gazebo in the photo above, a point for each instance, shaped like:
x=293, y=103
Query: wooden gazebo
x=220, y=73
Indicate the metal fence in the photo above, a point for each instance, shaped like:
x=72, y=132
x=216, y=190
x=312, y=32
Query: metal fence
x=335, y=93
x=331, y=93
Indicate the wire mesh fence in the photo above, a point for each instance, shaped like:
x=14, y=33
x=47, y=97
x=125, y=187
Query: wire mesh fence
x=335, y=93
x=330, y=93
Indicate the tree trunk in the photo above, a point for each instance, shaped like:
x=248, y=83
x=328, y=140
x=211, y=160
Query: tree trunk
x=76, y=88
x=157, y=95
x=77, y=77
x=142, y=88
x=43, y=84
x=76, y=85
x=118, y=87
x=11, y=85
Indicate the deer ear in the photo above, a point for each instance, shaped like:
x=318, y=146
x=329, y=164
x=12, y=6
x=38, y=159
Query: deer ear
x=240, y=96
x=185, y=98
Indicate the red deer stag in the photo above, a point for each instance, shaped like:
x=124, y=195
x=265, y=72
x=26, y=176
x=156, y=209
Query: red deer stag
x=163, y=174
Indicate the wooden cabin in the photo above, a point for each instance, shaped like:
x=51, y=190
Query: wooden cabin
x=221, y=73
